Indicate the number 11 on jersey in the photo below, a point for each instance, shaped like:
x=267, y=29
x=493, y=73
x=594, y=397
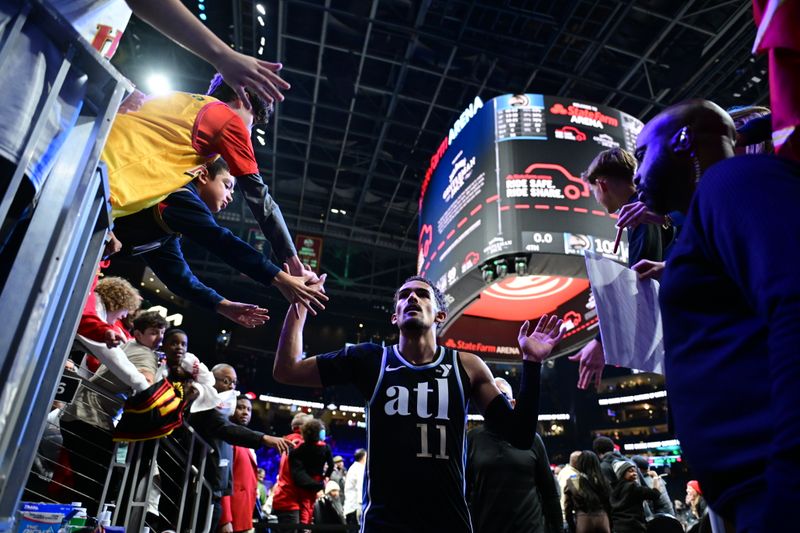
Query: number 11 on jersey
x=423, y=435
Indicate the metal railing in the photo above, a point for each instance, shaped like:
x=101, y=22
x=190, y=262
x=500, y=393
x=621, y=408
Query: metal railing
x=159, y=484
x=49, y=278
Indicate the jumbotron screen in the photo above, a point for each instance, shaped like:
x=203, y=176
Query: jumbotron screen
x=505, y=218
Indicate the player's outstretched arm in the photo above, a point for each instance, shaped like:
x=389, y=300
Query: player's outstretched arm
x=516, y=425
x=174, y=20
x=290, y=367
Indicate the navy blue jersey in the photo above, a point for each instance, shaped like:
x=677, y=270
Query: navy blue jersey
x=416, y=451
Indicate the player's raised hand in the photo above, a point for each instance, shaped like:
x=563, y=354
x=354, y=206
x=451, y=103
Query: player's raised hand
x=295, y=290
x=247, y=315
x=537, y=343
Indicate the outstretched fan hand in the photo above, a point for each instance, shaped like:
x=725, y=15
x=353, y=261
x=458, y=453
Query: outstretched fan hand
x=537, y=343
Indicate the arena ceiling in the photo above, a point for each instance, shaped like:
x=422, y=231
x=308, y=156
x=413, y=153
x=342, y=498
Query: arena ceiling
x=376, y=84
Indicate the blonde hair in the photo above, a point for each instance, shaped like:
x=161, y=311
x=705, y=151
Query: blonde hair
x=117, y=293
x=613, y=163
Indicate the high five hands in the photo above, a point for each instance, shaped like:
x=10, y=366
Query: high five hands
x=537, y=343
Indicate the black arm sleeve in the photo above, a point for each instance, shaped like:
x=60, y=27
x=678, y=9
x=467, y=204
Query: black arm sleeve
x=546, y=484
x=268, y=215
x=518, y=425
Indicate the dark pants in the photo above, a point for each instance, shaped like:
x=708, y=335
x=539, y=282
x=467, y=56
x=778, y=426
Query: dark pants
x=286, y=518
x=90, y=450
x=352, y=522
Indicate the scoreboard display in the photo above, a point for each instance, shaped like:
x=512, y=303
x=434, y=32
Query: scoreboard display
x=505, y=218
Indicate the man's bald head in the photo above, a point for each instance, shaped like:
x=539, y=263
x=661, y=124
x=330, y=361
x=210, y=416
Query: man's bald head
x=224, y=376
x=675, y=147
x=573, y=459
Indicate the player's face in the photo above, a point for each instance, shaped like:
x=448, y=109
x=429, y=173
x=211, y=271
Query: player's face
x=416, y=306
x=217, y=193
x=150, y=337
x=243, y=412
x=662, y=177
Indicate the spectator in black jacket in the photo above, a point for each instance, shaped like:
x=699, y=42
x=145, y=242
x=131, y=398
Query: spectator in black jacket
x=608, y=455
x=311, y=463
x=663, y=505
x=220, y=433
x=328, y=510
x=628, y=497
x=509, y=489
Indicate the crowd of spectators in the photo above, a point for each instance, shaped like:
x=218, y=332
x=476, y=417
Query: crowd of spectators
x=711, y=225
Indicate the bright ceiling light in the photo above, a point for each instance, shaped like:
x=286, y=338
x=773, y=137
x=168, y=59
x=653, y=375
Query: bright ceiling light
x=261, y=20
x=261, y=9
x=158, y=84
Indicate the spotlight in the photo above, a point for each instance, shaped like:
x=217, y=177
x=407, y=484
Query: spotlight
x=223, y=339
x=521, y=266
x=487, y=272
x=501, y=267
x=261, y=9
x=158, y=84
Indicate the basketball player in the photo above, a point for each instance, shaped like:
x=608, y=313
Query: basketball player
x=417, y=394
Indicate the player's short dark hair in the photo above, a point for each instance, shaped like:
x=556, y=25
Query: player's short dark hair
x=223, y=92
x=311, y=430
x=149, y=319
x=602, y=445
x=441, y=303
x=360, y=453
x=614, y=163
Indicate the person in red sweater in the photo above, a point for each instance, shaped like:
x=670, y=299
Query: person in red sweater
x=285, y=495
x=237, y=508
x=100, y=330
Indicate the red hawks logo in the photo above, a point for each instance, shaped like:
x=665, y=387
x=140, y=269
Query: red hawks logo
x=425, y=239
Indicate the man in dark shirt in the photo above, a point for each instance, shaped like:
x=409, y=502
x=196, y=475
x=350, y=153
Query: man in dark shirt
x=730, y=300
x=610, y=176
x=155, y=234
x=416, y=395
x=220, y=433
x=508, y=489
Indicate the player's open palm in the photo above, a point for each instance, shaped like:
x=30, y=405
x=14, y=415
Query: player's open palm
x=537, y=343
